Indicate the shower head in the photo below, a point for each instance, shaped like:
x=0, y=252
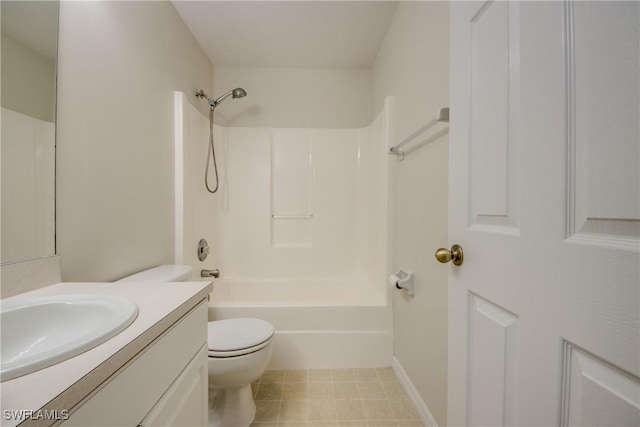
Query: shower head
x=213, y=103
x=238, y=93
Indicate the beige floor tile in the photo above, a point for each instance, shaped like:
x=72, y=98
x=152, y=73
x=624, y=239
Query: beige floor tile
x=387, y=375
x=267, y=410
x=269, y=391
x=410, y=423
x=296, y=376
x=352, y=423
x=343, y=375
x=322, y=410
x=332, y=398
x=366, y=375
x=272, y=377
x=346, y=391
x=254, y=388
x=371, y=391
x=394, y=391
x=350, y=410
x=295, y=391
x=377, y=410
x=403, y=410
x=320, y=376
x=321, y=391
x=294, y=410
x=383, y=423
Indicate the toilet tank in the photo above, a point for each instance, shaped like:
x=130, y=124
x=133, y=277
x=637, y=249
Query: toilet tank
x=161, y=273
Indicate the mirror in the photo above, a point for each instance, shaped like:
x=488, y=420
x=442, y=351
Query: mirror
x=27, y=150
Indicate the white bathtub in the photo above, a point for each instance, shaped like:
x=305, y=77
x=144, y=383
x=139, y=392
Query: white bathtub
x=337, y=323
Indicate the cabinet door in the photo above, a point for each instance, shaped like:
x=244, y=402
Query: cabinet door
x=128, y=395
x=185, y=402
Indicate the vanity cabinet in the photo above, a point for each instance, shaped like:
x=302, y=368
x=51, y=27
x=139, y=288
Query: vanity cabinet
x=165, y=384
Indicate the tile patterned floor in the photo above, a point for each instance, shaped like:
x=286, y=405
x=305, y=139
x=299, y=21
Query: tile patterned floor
x=332, y=398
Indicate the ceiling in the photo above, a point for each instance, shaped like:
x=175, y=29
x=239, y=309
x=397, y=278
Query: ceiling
x=289, y=34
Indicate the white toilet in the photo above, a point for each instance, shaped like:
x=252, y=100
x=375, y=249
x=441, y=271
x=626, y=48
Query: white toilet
x=239, y=353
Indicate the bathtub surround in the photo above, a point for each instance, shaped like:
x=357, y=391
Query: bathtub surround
x=298, y=230
x=293, y=203
x=119, y=64
x=412, y=65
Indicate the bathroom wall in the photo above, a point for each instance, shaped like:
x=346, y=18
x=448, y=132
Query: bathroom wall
x=412, y=66
x=295, y=97
x=119, y=65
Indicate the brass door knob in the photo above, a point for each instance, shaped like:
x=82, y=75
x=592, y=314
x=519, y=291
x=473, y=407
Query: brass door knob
x=454, y=255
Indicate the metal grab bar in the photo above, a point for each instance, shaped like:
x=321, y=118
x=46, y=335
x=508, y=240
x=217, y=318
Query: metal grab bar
x=443, y=117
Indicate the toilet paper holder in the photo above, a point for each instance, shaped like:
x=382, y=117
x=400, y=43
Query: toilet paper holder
x=403, y=280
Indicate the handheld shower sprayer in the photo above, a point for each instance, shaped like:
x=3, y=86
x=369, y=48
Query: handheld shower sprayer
x=213, y=103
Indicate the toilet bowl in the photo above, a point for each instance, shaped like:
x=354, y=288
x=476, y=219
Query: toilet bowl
x=239, y=353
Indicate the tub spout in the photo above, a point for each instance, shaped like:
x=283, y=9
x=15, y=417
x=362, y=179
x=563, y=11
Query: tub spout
x=210, y=273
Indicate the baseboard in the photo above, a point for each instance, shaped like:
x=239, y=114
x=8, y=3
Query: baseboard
x=409, y=388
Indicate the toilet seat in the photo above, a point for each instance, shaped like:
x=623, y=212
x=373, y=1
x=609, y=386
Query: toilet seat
x=235, y=353
x=237, y=337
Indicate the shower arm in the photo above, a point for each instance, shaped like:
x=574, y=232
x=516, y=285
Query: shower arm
x=221, y=98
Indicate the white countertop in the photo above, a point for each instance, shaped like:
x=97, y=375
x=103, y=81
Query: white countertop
x=63, y=385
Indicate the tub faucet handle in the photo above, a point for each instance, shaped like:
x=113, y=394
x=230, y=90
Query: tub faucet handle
x=210, y=273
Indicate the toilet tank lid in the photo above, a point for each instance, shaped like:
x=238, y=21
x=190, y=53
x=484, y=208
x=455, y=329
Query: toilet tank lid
x=162, y=273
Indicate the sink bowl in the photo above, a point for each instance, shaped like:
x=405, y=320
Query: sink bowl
x=40, y=332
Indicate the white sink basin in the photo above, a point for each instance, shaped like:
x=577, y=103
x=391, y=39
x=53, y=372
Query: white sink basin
x=40, y=332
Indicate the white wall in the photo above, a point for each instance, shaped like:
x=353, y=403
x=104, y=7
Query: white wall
x=119, y=65
x=295, y=97
x=412, y=66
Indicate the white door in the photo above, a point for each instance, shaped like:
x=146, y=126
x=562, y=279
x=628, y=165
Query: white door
x=545, y=202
